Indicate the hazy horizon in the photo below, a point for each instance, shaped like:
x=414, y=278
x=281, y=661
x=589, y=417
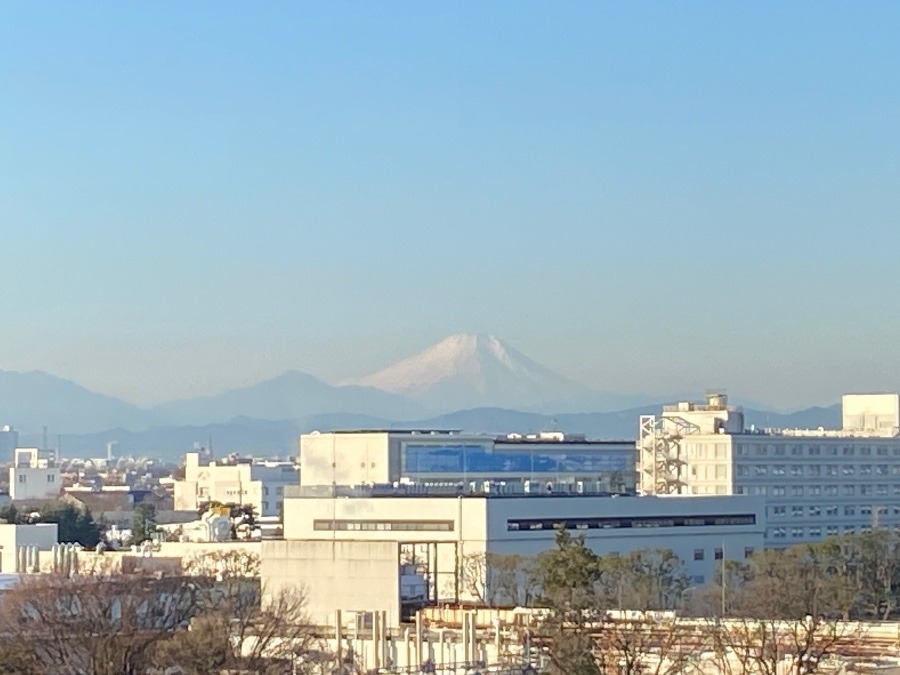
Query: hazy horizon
x=647, y=198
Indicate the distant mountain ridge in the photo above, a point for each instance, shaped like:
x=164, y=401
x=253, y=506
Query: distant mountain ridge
x=270, y=438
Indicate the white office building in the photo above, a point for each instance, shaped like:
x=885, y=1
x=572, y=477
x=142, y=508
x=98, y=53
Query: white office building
x=816, y=482
x=33, y=476
x=387, y=548
x=392, y=456
x=250, y=482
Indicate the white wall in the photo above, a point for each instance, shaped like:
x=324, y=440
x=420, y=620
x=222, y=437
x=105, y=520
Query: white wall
x=348, y=575
x=42, y=535
x=34, y=483
x=344, y=459
x=870, y=412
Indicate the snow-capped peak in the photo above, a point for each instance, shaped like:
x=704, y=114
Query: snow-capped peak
x=469, y=370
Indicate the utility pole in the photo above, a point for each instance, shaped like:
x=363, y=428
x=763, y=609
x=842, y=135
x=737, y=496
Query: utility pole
x=724, y=581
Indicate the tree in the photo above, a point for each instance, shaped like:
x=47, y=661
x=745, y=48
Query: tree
x=91, y=624
x=75, y=525
x=143, y=523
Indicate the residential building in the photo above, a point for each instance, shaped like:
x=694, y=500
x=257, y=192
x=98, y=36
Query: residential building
x=255, y=483
x=426, y=456
x=34, y=475
x=816, y=482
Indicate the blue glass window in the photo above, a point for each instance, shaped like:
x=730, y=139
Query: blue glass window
x=461, y=459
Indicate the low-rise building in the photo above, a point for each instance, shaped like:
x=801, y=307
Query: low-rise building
x=248, y=482
x=34, y=475
x=39, y=537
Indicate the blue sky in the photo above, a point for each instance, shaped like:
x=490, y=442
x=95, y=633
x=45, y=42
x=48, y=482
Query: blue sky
x=651, y=197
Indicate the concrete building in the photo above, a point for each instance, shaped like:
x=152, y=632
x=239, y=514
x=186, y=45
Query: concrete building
x=397, y=548
x=41, y=536
x=391, y=456
x=33, y=476
x=816, y=482
x=236, y=481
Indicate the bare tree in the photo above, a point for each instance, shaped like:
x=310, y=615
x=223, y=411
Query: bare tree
x=93, y=625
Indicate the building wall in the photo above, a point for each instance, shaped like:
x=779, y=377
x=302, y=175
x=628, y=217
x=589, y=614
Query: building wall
x=26, y=482
x=259, y=485
x=345, y=459
x=42, y=535
x=348, y=575
x=871, y=412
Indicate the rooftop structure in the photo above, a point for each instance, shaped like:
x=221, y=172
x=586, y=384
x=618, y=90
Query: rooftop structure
x=34, y=475
x=388, y=456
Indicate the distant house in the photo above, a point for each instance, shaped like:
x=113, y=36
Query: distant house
x=116, y=507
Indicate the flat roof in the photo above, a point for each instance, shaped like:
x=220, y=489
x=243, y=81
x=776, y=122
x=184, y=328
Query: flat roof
x=419, y=432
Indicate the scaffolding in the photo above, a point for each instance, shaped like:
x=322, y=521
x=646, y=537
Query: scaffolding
x=662, y=459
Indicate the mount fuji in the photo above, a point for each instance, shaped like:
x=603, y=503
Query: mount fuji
x=467, y=371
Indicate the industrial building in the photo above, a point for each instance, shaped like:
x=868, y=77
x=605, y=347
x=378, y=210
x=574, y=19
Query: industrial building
x=421, y=456
x=816, y=483
x=345, y=545
x=255, y=483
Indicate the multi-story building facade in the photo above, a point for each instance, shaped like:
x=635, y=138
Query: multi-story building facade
x=816, y=482
x=33, y=476
x=391, y=456
x=255, y=483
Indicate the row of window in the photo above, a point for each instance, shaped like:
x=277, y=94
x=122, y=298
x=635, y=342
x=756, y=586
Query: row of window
x=832, y=511
x=818, y=531
x=51, y=478
x=616, y=523
x=745, y=470
x=265, y=505
x=778, y=450
x=384, y=525
x=865, y=489
x=278, y=491
x=718, y=553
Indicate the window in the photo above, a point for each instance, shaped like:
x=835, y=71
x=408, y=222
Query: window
x=719, y=554
x=831, y=450
x=698, y=554
x=796, y=450
x=814, y=450
x=831, y=469
x=748, y=551
x=881, y=489
x=699, y=580
x=831, y=490
x=265, y=506
x=849, y=511
x=814, y=511
x=743, y=471
x=815, y=531
x=778, y=491
x=831, y=511
x=849, y=529
x=813, y=490
x=865, y=470
x=762, y=450
x=865, y=489
x=797, y=511
x=760, y=490
x=51, y=478
x=778, y=470
x=831, y=530
x=881, y=469
x=849, y=490
x=797, y=490
x=848, y=451
x=881, y=451
x=740, y=450
x=779, y=450
x=848, y=469
x=779, y=511
x=778, y=532
x=815, y=470
x=761, y=469
x=865, y=510
x=796, y=532
x=720, y=471
x=396, y=525
x=865, y=451
x=279, y=490
x=22, y=477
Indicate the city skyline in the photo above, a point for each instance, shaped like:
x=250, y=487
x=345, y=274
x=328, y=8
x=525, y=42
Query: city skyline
x=646, y=199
